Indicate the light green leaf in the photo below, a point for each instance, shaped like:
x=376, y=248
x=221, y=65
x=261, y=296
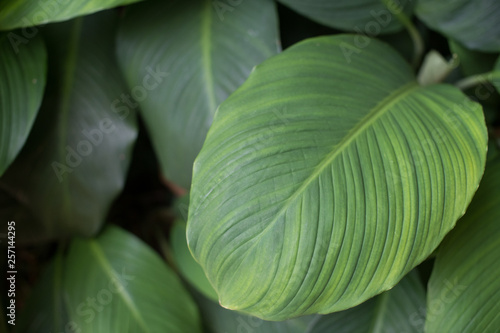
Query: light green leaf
x=464, y=289
x=401, y=309
x=75, y=160
x=27, y=13
x=474, y=23
x=22, y=81
x=114, y=283
x=200, y=54
x=368, y=17
x=328, y=176
x=188, y=267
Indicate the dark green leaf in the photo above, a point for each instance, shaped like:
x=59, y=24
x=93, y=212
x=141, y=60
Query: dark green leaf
x=46, y=310
x=495, y=76
x=472, y=62
x=327, y=176
x=474, y=23
x=114, y=283
x=367, y=17
x=27, y=13
x=190, y=55
x=221, y=320
x=22, y=81
x=76, y=157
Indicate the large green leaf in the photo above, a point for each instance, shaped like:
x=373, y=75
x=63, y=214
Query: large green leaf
x=474, y=23
x=27, y=13
x=22, y=81
x=401, y=309
x=464, y=289
x=114, y=283
x=322, y=182
x=76, y=157
x=200, y=54
x=367, y=17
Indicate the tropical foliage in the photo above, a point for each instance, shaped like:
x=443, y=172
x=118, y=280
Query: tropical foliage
x=250, y=166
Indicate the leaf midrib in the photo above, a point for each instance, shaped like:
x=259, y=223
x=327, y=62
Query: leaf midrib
x=66, y=88
x=379, y=110
x=206, y=55
x=109, y=271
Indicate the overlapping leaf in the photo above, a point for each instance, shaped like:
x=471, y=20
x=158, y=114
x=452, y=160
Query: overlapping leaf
x=76, y=157
x=46, y=310
x=328, y=176
x=368, y=17
x=201, y=52
x=472, y=62
x=114, y=283
x=474, y=23
x=188, y=267
x=495, y=75
x=401, y=309
x=220, y=320
x=27, y=13
x=22, y=82
x=464, y=289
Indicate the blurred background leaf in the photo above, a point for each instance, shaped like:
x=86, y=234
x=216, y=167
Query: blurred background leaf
x=199, y=53
x=76, y=157
x=473, y=23
x=113, y=283
x=472, y=62
x=46, y=310
x=495, y=76
x=27, y=13
x=186, y=264
x=367, y=17
x=22, y=82
x=220, y=320
x=401, y=309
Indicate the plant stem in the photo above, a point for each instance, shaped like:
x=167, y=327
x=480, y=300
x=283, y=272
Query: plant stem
x=418, y=42
x=474, y=80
